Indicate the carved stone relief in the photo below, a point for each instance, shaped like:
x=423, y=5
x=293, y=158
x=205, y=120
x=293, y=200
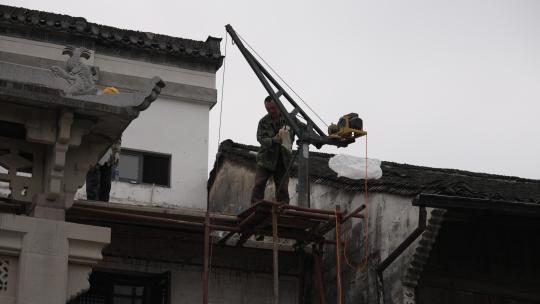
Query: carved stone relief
x=4, y=275
x=79, y=77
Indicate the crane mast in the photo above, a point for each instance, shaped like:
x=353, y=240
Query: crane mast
x=308, y=134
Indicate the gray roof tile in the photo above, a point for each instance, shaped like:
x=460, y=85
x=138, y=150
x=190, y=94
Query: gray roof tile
x=33, y=23
x=404, y=179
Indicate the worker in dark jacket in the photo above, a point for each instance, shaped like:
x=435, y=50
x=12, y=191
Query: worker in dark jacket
x=274, y=156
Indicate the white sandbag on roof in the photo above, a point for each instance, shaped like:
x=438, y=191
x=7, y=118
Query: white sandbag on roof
x=355, y=167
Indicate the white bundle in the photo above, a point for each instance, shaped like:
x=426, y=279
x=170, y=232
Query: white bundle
x=355, y=167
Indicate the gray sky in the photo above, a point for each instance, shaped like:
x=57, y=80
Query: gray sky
x=450, y=84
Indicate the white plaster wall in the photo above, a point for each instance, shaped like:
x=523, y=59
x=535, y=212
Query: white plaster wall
x=179, y=129
x=34, y=48
x=149, y=70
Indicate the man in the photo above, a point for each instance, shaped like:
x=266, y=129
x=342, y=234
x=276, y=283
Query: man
x=98, y=178
x=274, y=155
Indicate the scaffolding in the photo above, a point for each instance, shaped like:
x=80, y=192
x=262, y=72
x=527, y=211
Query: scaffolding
x=305, y=226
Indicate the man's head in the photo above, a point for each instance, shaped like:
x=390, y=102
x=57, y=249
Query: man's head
x=271, y=107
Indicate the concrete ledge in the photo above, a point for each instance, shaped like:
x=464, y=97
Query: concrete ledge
x=171, y=90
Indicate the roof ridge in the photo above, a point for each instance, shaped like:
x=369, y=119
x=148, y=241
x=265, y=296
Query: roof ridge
x=207, y=51
x=400, y=179
x=229, y=143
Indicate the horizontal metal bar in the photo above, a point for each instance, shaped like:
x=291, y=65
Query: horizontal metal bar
x=354, y=213
x=319, y=211
x=138, y=216
x=308, y=215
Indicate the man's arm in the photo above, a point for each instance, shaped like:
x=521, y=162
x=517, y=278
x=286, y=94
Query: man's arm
x=265, y=135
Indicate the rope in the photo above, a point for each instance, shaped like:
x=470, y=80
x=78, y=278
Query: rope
x=276, y=73
x=364, y=261
x=218, y=141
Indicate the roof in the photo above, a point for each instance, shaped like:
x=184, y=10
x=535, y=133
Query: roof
x=17, y=21
x=402, y=179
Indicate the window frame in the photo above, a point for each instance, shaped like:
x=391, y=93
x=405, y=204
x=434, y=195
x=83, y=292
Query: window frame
x=109, y=278
x=140, y=155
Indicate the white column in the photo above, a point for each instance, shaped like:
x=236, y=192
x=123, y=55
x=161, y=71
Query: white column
x=49, y=261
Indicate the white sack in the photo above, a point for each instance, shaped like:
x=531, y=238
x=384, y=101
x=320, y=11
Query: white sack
x=355, y=167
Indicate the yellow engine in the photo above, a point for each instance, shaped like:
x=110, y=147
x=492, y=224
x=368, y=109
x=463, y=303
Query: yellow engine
x=348, y=126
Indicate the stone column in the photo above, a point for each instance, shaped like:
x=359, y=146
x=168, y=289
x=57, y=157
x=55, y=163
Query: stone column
x=46, y=261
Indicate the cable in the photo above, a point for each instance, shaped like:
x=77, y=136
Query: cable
x=218, y=141
x=276, y=73
x=222, y=89
x=364, y=261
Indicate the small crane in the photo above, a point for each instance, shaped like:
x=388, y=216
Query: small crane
x=344, y=133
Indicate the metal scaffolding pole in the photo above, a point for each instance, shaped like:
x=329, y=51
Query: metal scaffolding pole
x=275, y=253
x=317, y=272
x=206, y=257
x=338, y=255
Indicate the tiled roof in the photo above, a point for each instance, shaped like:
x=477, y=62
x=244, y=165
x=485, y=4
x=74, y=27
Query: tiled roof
x=33, y=23
x=403, y=179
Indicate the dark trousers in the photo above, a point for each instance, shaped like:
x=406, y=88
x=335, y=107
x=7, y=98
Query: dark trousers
x=281, y=182
x=98, y=183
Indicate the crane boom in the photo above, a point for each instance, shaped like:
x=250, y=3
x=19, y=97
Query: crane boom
x=308, y=134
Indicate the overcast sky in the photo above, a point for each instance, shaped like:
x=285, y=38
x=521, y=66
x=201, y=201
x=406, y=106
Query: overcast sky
x=449, y=84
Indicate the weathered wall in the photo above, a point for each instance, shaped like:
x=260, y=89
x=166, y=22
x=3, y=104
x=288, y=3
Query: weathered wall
x=176, y=123
x=391, y=219
x=231, y=188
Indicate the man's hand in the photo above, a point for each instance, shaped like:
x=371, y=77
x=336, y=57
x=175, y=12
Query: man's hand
x=277, y=139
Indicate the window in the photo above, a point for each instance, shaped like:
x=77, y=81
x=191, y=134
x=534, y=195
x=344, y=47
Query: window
x=128, y=294
x=144, y=167
x=12, y=130
x=126, y=288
